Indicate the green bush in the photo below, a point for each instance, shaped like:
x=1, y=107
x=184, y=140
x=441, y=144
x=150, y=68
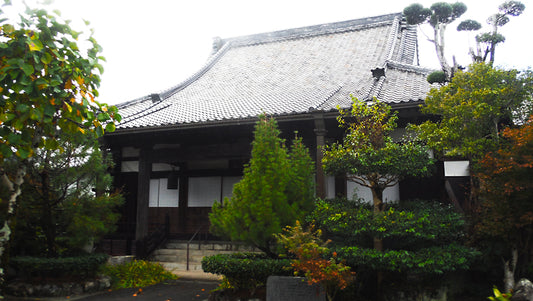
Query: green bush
x=137, y=273
x=246, y=270
x=420, y=236
x=78, y=267
x=432, y=260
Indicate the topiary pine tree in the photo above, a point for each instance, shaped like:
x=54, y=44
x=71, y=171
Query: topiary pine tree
x=276, y=190
x=369, y=157
x=440, y=14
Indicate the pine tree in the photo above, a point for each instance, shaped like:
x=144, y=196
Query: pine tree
x=276, y=190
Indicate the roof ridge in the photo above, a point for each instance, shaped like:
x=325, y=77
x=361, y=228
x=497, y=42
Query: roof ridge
x=208, y=65
x=312, y=30
x=409, y=67
x=391, y=43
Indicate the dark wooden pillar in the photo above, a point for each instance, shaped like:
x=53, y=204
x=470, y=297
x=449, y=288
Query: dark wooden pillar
x=320, y=132
x=143, y=193
x=183, y=200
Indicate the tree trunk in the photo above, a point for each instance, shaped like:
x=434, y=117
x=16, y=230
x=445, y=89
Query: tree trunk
x=48, y=217
x=438, y=32
x=509, y=268
x=377, y=198
x=13, y=186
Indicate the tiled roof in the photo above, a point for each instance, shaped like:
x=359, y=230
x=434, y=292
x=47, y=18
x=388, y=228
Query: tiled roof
x=291, y=72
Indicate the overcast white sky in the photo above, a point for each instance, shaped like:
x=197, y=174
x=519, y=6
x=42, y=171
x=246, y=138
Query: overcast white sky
x=153, y=45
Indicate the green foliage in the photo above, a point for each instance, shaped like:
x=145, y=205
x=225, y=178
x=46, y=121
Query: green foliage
x=439, y=15
x=137, y=273
x=46, y=84
x=277, y=189
x=431, y=260
x=414, y=222
x=246, y=270
x=473, y=108
x=301, y=186
x=423, y=237
x=65, y=202
x=446, y=13
x=32, y=268
x=416, y=13
x=368, y=154
x=437, y=77
x=469, y=25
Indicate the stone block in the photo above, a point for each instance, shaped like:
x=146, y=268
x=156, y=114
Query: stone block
x=292, y=289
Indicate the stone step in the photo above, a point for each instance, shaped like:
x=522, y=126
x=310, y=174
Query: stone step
x=194, y=252
x=173, y=256
x=210, y=245
x=197, y=258
x=175, y=266
x=178, y=258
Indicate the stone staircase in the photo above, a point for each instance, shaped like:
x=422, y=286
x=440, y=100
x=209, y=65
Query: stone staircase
x=173, y=255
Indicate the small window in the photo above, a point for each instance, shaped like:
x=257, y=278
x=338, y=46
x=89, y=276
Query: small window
x=204, y=191
x=160, y=196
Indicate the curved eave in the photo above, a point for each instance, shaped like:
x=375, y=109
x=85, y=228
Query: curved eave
x=329, y=114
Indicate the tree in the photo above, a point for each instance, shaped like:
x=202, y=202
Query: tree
x=439, y=15
x=506, y=213
x=369, y=157
x=47, y=84
x=423, y=239
x=66, y=202
x=275, y=191
x=473, y=108
x=471, y=111
x=492, y=38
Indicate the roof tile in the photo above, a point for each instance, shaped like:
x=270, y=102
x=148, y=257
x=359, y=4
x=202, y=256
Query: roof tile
x=289, y=72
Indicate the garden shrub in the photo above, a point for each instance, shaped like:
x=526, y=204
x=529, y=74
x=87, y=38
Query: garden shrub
x=137, y=273
x=84, y=266
x=311, y=259
x=423, y=241
x=246, y=270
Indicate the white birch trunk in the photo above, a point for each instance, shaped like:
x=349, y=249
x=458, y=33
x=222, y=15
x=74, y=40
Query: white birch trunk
x=13, y=186
x=509, y=268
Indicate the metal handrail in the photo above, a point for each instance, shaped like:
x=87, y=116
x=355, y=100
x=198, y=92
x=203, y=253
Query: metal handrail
x=189, y=242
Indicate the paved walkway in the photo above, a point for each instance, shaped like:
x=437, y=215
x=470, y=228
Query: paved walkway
x=192, y=285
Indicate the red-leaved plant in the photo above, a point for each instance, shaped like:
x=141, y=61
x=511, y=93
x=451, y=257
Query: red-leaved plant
x=311, y=252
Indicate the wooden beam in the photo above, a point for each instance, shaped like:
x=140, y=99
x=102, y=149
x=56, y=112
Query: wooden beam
x=320, y=132
x=143, y=194
x=213, y=151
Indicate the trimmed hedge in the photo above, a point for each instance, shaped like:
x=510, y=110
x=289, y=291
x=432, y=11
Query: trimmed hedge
x=80, y=266
x=246, y=270
x=432, y=260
